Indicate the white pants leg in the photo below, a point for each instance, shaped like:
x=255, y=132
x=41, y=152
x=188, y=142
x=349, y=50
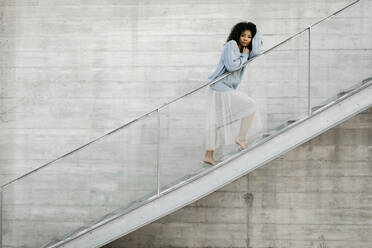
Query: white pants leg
x=228, y=116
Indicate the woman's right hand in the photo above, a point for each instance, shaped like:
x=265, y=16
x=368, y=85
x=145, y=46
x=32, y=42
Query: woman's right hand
x=245, y=50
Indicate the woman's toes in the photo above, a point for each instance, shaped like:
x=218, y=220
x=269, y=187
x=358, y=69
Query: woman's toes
x=241, y=144
x=209, y=161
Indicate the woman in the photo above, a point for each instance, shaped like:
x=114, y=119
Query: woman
x=226, y=105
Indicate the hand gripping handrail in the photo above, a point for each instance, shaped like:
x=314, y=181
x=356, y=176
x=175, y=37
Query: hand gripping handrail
x=178, y=98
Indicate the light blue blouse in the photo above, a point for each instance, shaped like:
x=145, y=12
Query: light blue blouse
x=231, y=61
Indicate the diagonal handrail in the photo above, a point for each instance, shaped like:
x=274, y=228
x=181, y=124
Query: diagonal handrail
x=178, y=98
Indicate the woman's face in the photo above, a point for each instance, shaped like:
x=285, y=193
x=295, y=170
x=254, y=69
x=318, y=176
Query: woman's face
x=245, y=38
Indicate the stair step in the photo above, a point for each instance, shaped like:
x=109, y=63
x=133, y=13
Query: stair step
x=52, y=242
x=284, y=125
x=342, y=93
x=364, y=81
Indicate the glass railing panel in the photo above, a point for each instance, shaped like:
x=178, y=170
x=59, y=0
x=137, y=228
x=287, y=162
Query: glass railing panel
x=278, y=82
x=115, y=171
x=341, y=54
x=182, y=140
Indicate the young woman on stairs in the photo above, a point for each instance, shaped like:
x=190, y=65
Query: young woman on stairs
x=226, y=105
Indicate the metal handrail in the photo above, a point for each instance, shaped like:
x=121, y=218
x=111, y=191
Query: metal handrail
x=178, y=98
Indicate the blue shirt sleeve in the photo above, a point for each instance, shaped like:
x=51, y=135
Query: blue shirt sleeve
x=232, y=57
x=256, y=45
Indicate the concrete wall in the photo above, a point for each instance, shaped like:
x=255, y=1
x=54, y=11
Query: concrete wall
x=316, y=196
x=73, y=70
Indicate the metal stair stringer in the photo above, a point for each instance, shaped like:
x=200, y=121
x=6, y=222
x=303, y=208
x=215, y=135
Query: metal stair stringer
x=225, y=173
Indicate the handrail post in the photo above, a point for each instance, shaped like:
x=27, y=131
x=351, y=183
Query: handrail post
x=1, y=217
x=308, y=73
x=158, y=153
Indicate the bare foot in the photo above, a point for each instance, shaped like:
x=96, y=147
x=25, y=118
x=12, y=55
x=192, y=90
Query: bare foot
x=241, y=144
x=209, y=161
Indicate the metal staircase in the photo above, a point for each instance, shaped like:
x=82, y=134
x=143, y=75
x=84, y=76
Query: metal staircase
x=150, y=167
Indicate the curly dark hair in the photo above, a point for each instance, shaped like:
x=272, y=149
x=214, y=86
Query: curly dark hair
x=239, y=28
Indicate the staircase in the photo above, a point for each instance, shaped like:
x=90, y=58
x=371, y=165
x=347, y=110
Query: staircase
x=134, y=175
